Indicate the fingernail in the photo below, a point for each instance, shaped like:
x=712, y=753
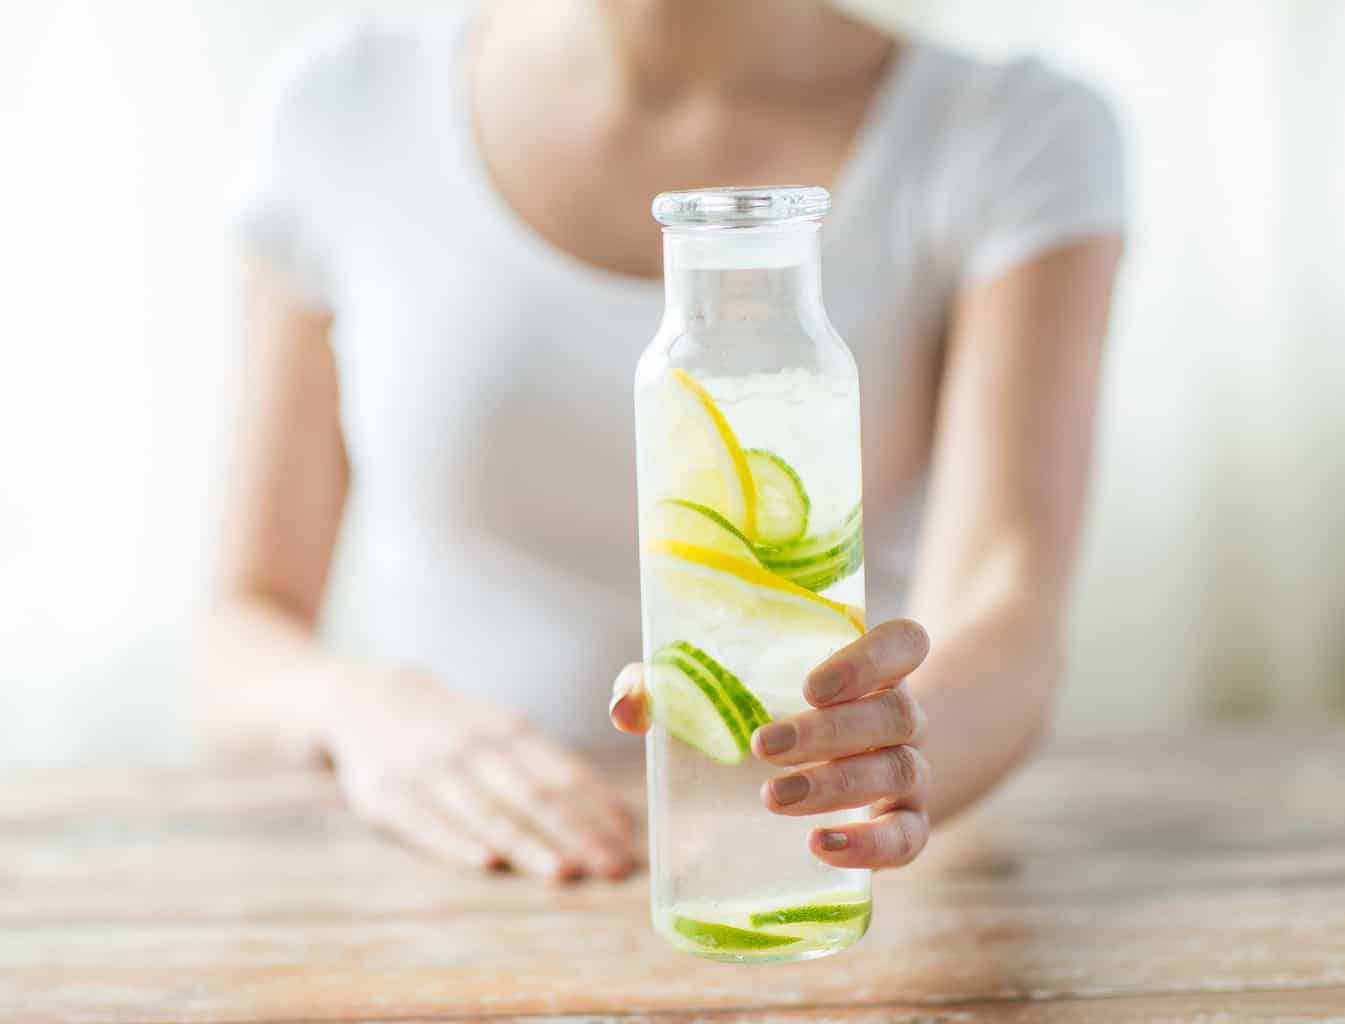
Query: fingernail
x=823, y=686
x=835, y=840
x=789, y=789
x=565, y=871
x=777, y=738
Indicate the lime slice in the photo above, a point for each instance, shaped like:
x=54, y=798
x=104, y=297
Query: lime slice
x=702, y=457
x=723, y=936
x=722, y=582
x=675, y=519
x=817, y=562
x=820, y=913
x=782, y=503
x=702, y=703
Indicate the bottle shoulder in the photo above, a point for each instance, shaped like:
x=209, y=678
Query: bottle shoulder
x=745, y=350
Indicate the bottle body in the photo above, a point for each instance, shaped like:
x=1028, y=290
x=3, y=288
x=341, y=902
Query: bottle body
x=747, y=422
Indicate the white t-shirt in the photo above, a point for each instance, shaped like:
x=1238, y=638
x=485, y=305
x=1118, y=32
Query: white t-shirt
x=485, y=375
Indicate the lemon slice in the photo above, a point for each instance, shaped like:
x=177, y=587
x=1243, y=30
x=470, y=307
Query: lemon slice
x=693, y=523
x=705, y=462
x=711, y=577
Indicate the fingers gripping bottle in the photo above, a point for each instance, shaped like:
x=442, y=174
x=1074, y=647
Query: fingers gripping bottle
x=751, y=566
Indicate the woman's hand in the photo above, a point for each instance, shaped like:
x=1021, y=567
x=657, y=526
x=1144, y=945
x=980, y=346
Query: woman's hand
x=471, y=782
x=860, y=741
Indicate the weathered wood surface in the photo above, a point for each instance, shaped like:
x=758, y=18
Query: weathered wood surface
x=1187, y=879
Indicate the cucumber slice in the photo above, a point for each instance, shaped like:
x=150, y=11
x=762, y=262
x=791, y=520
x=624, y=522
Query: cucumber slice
x=818, y=576
x=790, y=560
x=703, y=704
x=823, y=913
x=724, y=936
x=816, y=563
x=782, y=502
x=818, y=543
x=693, y=523
x=693, y=709
x=750, y=710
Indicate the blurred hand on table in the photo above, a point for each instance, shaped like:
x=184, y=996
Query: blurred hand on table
x=473, y=783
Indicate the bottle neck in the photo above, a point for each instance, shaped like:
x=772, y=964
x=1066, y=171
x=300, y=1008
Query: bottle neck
x=744, y=274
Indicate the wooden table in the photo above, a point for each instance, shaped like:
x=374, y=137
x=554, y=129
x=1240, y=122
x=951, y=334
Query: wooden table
x=1192, y=879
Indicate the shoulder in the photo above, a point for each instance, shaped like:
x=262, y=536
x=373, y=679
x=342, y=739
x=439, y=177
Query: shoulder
x=1018, y=158
x=1027, y=86
x=1017, y=105
x=347, y=66
x=328, y=105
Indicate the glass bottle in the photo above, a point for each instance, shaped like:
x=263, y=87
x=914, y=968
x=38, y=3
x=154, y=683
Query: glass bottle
x=751, y=566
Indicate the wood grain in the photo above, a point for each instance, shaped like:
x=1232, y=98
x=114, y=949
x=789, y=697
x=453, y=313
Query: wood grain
x=1172, y=880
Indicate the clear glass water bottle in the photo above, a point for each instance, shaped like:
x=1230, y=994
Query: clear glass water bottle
x=751, y=566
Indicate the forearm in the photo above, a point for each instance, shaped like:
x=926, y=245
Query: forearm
x=267, y=686
x=987, y=688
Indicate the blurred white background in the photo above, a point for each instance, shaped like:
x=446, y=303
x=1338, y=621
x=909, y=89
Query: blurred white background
x=1213, y=581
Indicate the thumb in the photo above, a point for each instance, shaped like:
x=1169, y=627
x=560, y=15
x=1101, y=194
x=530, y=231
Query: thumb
x=629, y=708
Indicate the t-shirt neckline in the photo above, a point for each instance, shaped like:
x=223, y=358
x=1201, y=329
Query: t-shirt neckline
x=875, y=123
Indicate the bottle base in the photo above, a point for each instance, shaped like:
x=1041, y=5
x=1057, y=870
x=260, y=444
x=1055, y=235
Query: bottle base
x=768, y=957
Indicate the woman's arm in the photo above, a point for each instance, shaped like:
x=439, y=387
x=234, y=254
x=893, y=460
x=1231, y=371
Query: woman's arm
x=1009, y=478
x=461, y=778
x=266, y=678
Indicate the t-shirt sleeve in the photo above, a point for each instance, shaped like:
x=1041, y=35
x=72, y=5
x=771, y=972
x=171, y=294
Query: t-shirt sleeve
x=1052, y=172
x=276, y=203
